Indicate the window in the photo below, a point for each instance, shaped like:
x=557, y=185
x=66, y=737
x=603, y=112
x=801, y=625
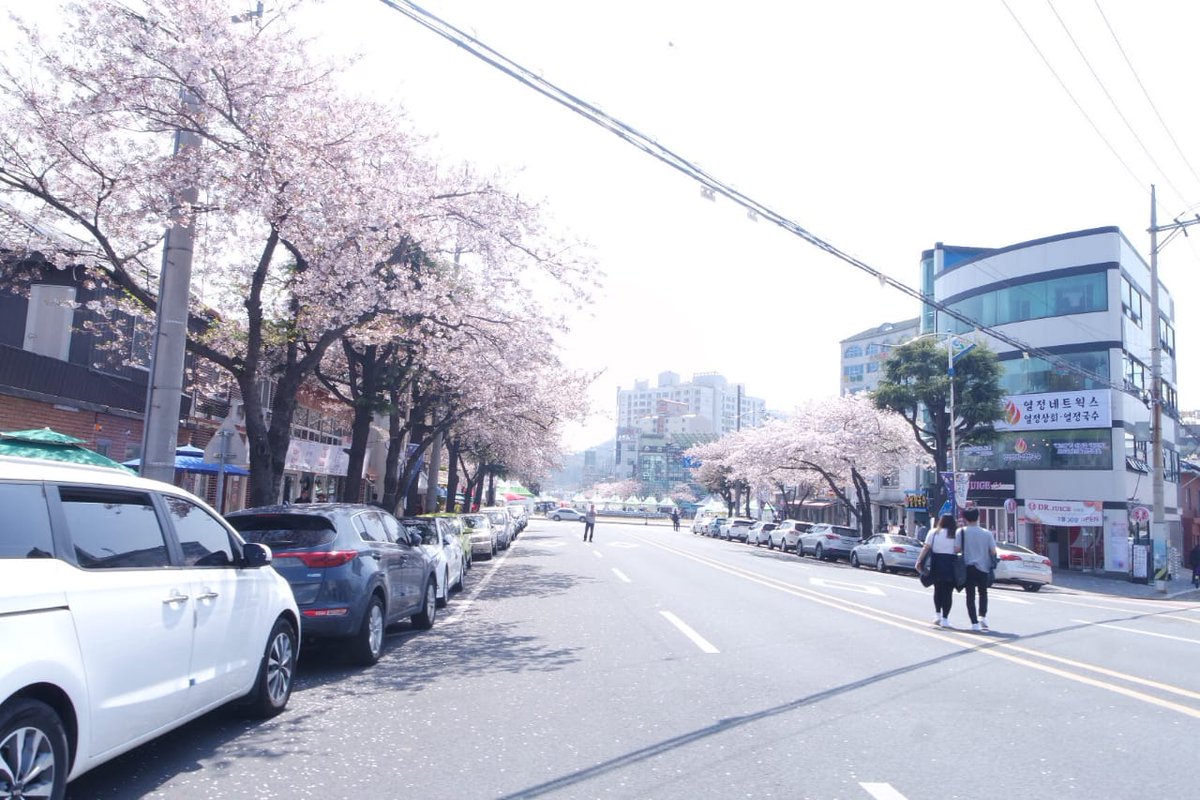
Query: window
x=1166, y=336
x=853, y=372
x=392, y=526
x=27, y=523
x=1131, y=302
x=1170, y=399
x=1071, y=294
x=853, y=351
x=370, y=527
x=873, y=366
x=872, y=349
x=204, y=540
x=113, y=529
x=1134, y=372
x=1036, y=375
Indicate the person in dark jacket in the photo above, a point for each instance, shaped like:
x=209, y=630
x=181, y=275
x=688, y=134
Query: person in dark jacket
x=942, y=547
x=1195, y=559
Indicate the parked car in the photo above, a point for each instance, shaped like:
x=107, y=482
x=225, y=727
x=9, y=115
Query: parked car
x=452, y=524
x=829, y=542
x=444, y=550
x=787, y=533
x=520, y=516
x=760, y=533
x=887, y=551
x=735, y=528
x=353, y=568
x=502, y=523
x=713, y=528
x=1022, y=566
x=700, y=522
x=570, y=514
x=127, y=608
x=483, y=535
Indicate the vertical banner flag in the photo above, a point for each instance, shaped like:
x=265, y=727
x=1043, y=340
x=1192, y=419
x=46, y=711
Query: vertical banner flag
x=948, y=485
x=957, y=484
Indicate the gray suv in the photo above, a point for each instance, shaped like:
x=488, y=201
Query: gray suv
x=354, y=569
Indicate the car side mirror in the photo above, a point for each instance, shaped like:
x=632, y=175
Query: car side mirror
x=255, y=555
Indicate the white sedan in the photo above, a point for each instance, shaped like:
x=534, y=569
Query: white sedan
x=445, y=551
x=887, y=552
x=1022, y=566
x=559, y=514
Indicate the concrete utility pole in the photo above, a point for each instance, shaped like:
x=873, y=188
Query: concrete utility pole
x=160, y=431
x=433, y=465
x=1158, y=520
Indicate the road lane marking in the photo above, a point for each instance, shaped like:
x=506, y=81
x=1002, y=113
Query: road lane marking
x=687, y=631
x=849, y=587
x=623, y=544
x=597, y=554
x=882, y=791
x=1135, y=630
x=621, y=575
x=989, y=646
x=462, y=604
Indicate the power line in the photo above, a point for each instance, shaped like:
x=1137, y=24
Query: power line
x=1112, y=101
x=708, y=182
x=1063, y=84
x=1146, y=93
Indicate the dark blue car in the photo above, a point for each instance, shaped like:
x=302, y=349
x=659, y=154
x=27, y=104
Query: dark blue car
x=354, y=569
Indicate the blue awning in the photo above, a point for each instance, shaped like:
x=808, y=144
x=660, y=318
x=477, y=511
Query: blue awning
x=195, y=464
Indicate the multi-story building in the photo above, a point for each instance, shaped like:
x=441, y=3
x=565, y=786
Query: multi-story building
x=1068, y=473
x=863, y=353
x=708, y=397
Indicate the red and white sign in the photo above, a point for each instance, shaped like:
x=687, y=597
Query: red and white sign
x=1084, y=408
x=1064, y=513
x=1140, y=514
x=1010, y=505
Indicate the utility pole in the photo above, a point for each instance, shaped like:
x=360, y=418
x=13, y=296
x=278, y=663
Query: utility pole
x=1158, y=520
x=160, y=431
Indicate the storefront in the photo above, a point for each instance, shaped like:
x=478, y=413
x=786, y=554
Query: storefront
x=994, y=493
x=1068, y=532
x=314, y=470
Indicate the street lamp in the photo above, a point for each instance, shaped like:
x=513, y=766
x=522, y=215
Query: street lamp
x=1158, y=524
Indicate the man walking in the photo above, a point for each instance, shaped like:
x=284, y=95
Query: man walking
x=675, y=518
x=979, y=550
x=589, y=523
x=1195, y=559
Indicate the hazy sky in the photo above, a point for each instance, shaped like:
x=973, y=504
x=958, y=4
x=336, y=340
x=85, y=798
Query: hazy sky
x=882, y=127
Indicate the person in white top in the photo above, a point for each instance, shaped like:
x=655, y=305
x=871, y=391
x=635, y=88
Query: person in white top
x=942, y=547
x=979, y=550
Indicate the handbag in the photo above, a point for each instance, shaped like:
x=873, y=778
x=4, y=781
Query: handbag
x=960, y=571
x=925, y=568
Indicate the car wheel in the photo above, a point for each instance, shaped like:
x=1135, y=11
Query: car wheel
x=879, y=565
x=425, y=617
x=854, y=560
x=1031, y=587
x=275, y=675
x=819, y=552
x=33, y=750
x=445, y=587
x=368, y=642
x=556, y=518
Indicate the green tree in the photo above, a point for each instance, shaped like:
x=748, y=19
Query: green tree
x=916, y=385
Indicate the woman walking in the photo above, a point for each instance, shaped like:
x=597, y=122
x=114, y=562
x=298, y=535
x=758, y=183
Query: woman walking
x=942, y=547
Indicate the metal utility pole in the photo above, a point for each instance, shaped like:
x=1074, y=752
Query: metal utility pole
x=433, y=465
x=160, y=431
x=1158, y=519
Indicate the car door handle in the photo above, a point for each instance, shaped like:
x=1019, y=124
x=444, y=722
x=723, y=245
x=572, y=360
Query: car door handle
x=175, y=597
x=209, y=594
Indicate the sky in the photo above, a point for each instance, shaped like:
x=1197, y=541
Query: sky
x=881, y=127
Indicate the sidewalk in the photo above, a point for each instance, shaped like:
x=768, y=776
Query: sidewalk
x=1071, y=582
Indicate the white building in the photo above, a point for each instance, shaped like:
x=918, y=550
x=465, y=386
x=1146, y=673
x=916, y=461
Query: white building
x=863, y=353
x=1072, y=452
x=715, y=405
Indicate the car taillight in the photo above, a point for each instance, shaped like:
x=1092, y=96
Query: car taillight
x=831, y=536
x=896, y=549
x=1011, y=557
x=1045, y=562
x=316, y=559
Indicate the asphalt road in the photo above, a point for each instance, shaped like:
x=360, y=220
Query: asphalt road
x=656, y=664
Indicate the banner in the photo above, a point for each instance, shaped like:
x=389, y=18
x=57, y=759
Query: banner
x=1064, y=513
x=956, y=484
x=1085, y=408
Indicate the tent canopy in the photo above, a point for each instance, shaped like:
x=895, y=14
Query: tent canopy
x=191, y=459
x=47, y=444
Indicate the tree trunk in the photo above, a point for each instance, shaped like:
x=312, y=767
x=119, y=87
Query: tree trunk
x=452, y=476
x=364, y=390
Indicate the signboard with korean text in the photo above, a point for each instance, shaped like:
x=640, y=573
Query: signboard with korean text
x=1064, y=513
x=1070, y=449
x=1051, y=411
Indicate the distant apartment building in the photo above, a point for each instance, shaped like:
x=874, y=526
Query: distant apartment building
x=863, y=353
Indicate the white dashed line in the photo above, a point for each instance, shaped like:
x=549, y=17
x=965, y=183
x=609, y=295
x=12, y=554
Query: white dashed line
x=882, y=791
x=597, y=554
x=849, y=587
x=621, y=575
x=687, y=631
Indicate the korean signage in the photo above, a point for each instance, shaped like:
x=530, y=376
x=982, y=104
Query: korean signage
x=990, y=487
x=1051, y=411
x=323, y=459
x=1073, y=449
x=1064, y=513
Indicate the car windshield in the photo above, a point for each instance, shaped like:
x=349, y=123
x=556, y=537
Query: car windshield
x=475, y=521
x=498, y=517
x=1014, y=548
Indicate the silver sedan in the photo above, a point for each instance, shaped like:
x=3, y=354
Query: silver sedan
x=887, y=552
